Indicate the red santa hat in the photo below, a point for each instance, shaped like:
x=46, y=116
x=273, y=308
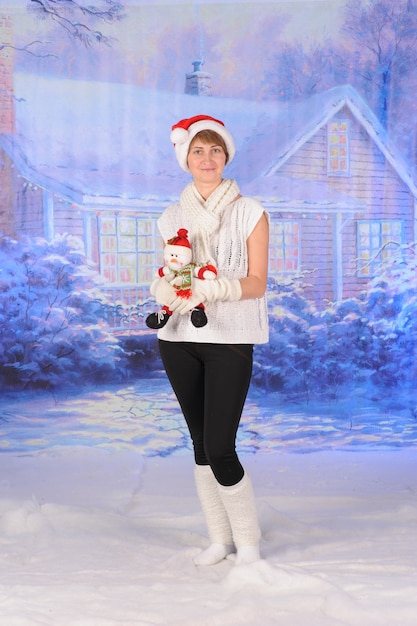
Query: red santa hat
x=184, y=131
x=180, y=239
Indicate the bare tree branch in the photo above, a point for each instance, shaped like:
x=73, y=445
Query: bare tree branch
x=27, y=49
x=77, y=19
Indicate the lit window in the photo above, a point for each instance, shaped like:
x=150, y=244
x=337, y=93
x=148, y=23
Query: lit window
x=127, y=249
x=338, y=148
x=284, y=247
x=377, y=241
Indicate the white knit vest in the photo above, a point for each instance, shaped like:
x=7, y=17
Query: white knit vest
x=245, y=321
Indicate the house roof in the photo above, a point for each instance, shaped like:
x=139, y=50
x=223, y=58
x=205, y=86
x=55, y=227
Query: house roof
x=91, y=141
x=296, y=123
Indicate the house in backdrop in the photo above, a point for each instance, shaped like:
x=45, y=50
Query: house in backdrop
x=94, y=160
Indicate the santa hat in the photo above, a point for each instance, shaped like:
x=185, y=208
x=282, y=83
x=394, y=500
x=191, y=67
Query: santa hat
x=185, y=130
x=180, y=239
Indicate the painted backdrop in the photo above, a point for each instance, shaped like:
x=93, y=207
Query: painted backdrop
x=319, y=95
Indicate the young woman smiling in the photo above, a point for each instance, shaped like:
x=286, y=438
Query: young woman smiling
x=210, y=368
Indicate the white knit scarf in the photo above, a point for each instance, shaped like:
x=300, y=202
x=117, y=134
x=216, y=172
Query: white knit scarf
x=205, y=215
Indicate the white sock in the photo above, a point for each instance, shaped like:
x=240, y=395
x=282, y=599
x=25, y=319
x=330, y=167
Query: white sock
x=247, y=554
x=215, y=553
x=239, y=502
x=216, y=517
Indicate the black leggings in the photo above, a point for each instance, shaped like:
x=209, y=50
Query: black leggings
x=211, y=382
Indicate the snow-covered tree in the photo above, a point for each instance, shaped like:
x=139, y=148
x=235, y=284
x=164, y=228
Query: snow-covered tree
x=385, y=37
x=300, y=70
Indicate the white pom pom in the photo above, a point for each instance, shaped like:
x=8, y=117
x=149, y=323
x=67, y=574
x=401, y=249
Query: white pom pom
x=179, y=135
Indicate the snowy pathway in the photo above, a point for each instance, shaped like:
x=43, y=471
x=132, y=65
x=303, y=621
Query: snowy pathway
x=145, y=417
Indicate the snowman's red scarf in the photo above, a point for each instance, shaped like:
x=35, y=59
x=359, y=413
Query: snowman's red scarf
x=185, y=273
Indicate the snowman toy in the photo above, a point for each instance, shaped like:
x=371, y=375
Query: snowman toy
x=179, y=270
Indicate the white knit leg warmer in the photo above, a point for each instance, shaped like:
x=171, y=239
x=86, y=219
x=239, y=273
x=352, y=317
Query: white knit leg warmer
x=217, y=521
x=239, y=502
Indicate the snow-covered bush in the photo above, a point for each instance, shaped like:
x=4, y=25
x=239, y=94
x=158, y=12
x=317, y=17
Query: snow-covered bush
x=52, y=316
x=286, y=362
x=390, y=306
x=310, y=352
x=371, y=339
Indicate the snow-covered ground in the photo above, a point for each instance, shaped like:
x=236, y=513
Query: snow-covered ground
x=105, y=537
x=99, y=519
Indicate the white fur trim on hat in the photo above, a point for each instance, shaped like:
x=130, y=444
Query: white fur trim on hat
x=182, y=138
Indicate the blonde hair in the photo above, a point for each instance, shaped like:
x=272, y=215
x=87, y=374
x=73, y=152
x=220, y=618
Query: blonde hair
x=210, y=136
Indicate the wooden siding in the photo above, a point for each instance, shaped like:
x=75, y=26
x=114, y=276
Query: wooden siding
x=22, y=209
x=68, y=218
x=317, y=255
x=28, y=208
x=352, y=283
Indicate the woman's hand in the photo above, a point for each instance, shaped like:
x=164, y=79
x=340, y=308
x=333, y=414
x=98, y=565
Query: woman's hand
x=209, y=291
x=164, y=293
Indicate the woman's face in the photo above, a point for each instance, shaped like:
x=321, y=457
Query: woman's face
x=206, y=162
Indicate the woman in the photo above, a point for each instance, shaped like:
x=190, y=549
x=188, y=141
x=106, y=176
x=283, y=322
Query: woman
x=210, y=368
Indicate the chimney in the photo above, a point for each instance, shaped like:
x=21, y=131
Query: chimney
x=198, y=83
x=6, y=74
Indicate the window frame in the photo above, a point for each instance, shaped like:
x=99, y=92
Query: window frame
x=378, y=252
x=284, y=247
x=338, y=146
x=144, y=259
